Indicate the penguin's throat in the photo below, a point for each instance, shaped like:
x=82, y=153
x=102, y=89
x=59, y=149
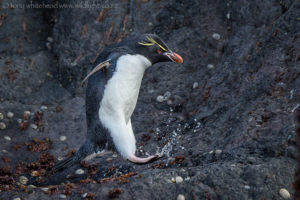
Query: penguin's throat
x=129, y=74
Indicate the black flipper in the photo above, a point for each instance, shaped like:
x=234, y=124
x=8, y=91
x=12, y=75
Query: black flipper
x=85, y=150
x=96, y=69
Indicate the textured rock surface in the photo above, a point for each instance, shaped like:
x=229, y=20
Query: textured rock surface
x=244, y=106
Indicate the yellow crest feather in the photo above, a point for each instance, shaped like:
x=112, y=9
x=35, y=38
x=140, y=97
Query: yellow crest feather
x=152, y=42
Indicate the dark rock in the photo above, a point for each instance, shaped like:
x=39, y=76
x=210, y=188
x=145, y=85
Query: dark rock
x=243, y=106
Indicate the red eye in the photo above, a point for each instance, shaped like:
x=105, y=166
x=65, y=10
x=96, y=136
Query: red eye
x=159, y=51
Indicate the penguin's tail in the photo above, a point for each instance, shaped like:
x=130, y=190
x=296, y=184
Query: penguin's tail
x=65, y=163
x=86, y=149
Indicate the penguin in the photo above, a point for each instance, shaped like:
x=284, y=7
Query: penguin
x=111, y=95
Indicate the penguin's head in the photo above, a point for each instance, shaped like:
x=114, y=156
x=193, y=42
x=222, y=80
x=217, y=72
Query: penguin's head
x=154, y=48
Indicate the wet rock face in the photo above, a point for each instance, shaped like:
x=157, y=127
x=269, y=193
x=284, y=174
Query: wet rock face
x=26, y=63
x=223, y=119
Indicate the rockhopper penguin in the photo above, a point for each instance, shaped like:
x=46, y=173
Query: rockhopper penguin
x=111, y=95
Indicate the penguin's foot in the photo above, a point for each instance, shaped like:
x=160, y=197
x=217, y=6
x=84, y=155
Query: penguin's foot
x=135, y=159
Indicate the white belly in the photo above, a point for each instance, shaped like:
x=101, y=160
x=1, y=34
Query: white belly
x=122, y=90
x=119, y=100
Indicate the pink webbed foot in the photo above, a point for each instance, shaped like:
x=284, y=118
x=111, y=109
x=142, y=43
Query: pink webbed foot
x=139, y=160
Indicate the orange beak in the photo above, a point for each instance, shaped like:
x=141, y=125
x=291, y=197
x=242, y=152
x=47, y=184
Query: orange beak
x=174, y=57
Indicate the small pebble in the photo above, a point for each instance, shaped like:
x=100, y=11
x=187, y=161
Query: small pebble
x=109, y=159
x=69, y=176
x=4, y=151
x=45, y=189
x=180, y=197
x=19, y=121
x=79, y=172
x=247, y=187
x=10, y=115
x=84, y=195
x=210, y=66
x=23, y=180
x=228, y=15
x=173, y=180
x=17, y=198
x=26, y=114
x=48, y=45
x=195, y=85
x=169, y=102
x=114, y=155
x=211, y=152
x=33, y=126
x=284, y=193
x=62, y=196
x=160, y=98
x=49, y=74
x=35, y=173
x=167, y=95
x=50, y=39
x=216, y=36
x=60, y=158
x=43, y=108
x=2, y=126
x=62, y=138
x=31, y=186
x=179, y=179
x=1, y=116
x=218, y=151
x=7, y=138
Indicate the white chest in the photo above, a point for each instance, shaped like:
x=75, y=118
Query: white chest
x=122, y=90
